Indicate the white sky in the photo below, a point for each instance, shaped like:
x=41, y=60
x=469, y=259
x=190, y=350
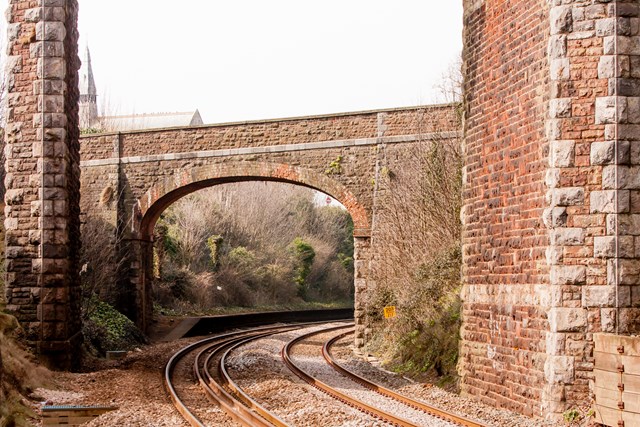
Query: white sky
x=251, y=59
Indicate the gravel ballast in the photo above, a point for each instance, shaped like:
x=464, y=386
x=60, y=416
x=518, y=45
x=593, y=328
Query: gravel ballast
x=134, y=385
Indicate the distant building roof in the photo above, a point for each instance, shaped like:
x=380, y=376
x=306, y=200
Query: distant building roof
x=88, y=109
x=151, y=121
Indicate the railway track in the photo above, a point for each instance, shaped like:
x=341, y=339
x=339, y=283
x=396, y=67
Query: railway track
x=206, y=351
x=209, y=359
x=422, y=406
x=385, y=415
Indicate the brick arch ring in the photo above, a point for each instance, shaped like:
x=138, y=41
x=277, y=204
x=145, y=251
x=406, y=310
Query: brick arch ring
x=163, y=193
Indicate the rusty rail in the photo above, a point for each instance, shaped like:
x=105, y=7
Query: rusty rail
x=249, y=413
x=226, y=401
x=246, y=411
x=216, y=392
x=236, y=390
x=362, y=406
x=421, y=406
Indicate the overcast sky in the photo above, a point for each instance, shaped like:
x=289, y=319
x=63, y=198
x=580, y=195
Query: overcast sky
x=251, y=59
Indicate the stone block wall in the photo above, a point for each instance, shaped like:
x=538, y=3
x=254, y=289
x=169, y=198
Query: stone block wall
x=578, y=298
x=618, y=154
x=592, y=114
x=42, y=175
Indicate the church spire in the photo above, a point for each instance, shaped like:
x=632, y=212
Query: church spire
x=88, y=95
x=87, y=83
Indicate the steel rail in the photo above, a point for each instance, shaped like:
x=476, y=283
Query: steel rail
x=421, y=406
x=235, y=388
x=336, y=394
x=180, y=406
x=231, y=405
x=216, y=392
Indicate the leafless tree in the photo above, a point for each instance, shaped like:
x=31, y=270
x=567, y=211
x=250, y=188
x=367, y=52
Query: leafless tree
x=418, y=221
x=254, y=224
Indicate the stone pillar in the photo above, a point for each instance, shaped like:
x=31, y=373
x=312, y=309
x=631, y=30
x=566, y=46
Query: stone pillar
x=138, y=256
x=593, y=117
x=42, y=176
x=361, y=260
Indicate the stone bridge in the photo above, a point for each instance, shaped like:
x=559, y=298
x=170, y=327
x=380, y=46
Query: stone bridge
x=128, y=179
x=551, y=216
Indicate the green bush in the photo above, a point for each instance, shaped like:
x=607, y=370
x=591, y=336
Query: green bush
x=241, y=257
x=425, y=334
x=106, y=329
x=214, y=243
x=303, y=255
x=433, y=345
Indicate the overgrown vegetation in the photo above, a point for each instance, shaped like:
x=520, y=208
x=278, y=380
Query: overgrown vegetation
x=420, y=272
x=106, y=329
x=419, y=223
x=252, y=244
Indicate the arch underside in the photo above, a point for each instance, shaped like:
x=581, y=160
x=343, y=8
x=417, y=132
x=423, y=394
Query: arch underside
x=163, y=193
x=147, y=209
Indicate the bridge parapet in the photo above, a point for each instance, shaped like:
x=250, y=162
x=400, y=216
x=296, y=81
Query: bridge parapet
x=347, y=128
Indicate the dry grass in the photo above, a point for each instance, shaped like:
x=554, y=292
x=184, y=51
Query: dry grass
x=19, y=376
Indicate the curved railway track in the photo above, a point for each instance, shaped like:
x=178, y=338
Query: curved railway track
x=386, y=416
x=214, y=379
x=206, y=350
x=416, y=404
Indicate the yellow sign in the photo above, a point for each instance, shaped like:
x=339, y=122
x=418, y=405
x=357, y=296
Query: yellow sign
x=390, y=311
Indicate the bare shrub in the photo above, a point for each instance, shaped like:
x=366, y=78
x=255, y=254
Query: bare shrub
x=100, y=267
x=105, y=296
x=236, y=240
x=418, y=221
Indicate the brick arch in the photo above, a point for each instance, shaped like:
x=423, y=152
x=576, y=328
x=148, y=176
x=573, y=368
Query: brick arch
x=147, y=209
x=168, y=190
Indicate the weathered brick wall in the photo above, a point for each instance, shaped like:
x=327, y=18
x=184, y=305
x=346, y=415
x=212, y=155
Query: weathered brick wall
x=553, y=98
x=146, y=171
x=504, y=240
x=42, y=175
